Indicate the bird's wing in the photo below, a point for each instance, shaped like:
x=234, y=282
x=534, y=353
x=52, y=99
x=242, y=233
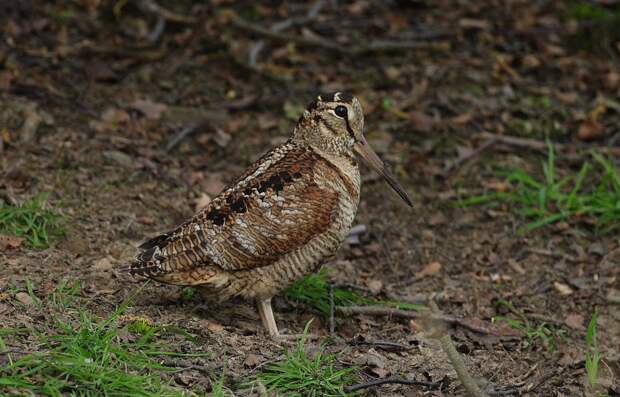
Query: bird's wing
x=273, y=208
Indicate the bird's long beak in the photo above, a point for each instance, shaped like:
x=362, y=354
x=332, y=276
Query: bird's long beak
x=363, y=149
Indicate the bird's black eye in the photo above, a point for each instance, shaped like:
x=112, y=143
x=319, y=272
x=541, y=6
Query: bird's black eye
x=341, y=111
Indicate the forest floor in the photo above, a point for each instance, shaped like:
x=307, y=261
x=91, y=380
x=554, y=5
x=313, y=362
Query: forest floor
x=119, y=119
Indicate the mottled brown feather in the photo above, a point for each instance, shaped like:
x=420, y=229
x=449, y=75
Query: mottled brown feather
x=272, y=209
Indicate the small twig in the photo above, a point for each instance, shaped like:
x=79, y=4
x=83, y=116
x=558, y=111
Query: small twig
x=543, y=318
x=283, y=25
x=154, y=8
x=178, y=137
x=382, y=344
x=614, y=139
x=470, y=324
x=270, y=34
x=355, y=287
x=399, y=381
x=414, y=300
x=253, y=53
x=540, y=145
x=544, y=252
x=158, y=30
x=376, y=46
x=474, y=153
x=457, y=362
x=528, y=388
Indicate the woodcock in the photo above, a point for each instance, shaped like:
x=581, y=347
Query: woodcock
x=288, y=212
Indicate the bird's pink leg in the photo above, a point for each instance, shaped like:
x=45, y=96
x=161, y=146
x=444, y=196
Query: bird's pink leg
x=266, y=315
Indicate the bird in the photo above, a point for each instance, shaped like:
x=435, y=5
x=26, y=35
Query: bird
x=280, y=220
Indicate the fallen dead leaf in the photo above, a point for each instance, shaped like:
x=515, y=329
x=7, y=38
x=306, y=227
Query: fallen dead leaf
x=10, y=242
x=212, y=326
x=221, y=137
x=590, y=129
x=462, y=118
x=531, y=61
x=114, y=116
x=421, y=121
x=612, y=80
x=33, y=117
x=574, y=321
x=567, y=98
x=562, y=288
x=415, y=327
x=103, y=264
x=24, y=298
x=251, y=361
x=375, y=286
x=471, y=23
x=151, y=110
x=516, y=266
x=438, y=218
x=429, y=270
x=380, y=372
x=498, y=186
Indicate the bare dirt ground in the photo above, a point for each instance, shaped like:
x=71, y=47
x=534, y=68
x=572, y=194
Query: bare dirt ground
x=93, y=92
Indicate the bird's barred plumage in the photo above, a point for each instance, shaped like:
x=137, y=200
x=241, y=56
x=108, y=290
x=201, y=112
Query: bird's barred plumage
x=279, y=220
x=275, y=207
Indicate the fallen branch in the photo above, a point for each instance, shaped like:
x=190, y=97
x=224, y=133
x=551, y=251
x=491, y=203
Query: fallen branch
x=540, y=145
x=381, y=344
x=455, y=359
x=399, y=381
x=374, y=46
x=471, y=324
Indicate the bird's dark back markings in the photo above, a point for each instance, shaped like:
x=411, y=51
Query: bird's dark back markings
x=295, y=165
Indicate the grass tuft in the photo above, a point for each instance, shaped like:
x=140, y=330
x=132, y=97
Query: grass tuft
x=82, y=355
x=300, y=374
x=598, y=26
x=592, y=195
x=592, y=355
x=31, y=220
x=313, y=290
x=548, y=335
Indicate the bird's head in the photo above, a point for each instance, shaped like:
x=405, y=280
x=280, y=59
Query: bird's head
x=334, y=124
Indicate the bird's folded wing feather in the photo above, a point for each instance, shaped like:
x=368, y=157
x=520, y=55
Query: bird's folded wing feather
x=275, y=207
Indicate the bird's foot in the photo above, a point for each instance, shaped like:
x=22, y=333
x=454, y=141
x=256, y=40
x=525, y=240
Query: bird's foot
x=266, y=315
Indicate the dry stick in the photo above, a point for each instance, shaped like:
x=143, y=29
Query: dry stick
x=539, y=145
x=381, y=344
x=154, y=8
x=283, y=25
x=474, y=153
x=399, y=381
x=376, y=46
x=388, y=311
x=157, y=31
x=521, y=390
x=177, y=138
x=457, y=362
x=553, y=254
